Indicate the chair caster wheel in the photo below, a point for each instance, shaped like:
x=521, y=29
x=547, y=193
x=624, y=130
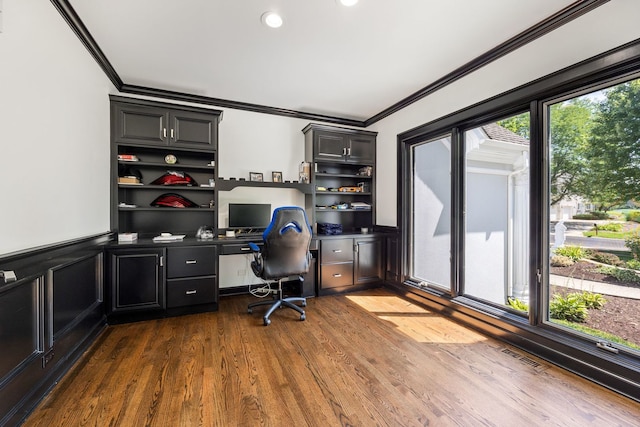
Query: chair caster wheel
x=304, y=304
x=302, y=317
x=249, y=310
x=267, y=322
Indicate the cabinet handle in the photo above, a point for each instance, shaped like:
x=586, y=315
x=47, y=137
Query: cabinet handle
x=337, y=275
x=164, y=132
x=349, y=151
x=8, y=276
x=172, y=133
x=191, y=261
x=344, y=151
x=161, y=261
x=191, y=292
x=337, y=251
x=246, y=248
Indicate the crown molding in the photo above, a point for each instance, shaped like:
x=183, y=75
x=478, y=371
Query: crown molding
x=553, y=22
x=560, y=18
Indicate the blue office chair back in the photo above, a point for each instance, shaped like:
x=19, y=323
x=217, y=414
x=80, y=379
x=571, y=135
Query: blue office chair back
x=286, y=245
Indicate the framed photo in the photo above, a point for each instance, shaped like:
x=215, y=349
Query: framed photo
x=255, y=176
x=276, y=176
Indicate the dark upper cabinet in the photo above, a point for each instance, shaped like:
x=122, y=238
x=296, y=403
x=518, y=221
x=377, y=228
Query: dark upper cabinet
x=143, y=122
x=342, y=145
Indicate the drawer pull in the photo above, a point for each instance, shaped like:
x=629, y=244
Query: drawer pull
x=337, y=275
x=191, y=292
x=191, y=261
x=246, y=248
x=337, y=251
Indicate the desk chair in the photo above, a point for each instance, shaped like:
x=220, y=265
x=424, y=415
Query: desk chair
x=285, y=253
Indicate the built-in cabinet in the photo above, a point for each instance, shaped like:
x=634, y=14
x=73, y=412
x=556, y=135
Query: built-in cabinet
x=136, y=279
x=343, y=195
x=349, y=263
x=163, y=176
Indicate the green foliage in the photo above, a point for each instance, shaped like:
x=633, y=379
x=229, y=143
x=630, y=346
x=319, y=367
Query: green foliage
x=571, y=308
x=610, y=226
x=515, y=303
x=605, y=258
x=620, y=274
x=519, y=124
x=613, y=148
x=633, y=264
x=569, y=128
x=590, y=300
x=633, y=216
x=633, y=243
x=561, y=261
x=592, y=215
x=598, y=334
x=574, y=252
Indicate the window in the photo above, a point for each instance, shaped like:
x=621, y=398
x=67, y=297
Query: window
x=431, y=213
x=496, y=241
x=594, y=214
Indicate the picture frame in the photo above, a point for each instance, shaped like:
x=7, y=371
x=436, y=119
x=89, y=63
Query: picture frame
x=276, y=176
x=255, y=176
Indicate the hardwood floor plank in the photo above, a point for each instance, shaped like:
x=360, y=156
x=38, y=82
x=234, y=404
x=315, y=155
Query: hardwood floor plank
x=362, y=359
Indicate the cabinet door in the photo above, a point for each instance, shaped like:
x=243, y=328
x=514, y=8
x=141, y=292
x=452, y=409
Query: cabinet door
x=135, y=124
x=330, y=146
x=137, y=280
x=392, y=252
x=368, y=261
x=361, y=149
x=193, y=130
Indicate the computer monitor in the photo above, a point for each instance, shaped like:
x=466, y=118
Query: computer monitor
x=249, y=215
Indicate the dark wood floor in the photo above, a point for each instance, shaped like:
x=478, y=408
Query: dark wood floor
x=364, y=359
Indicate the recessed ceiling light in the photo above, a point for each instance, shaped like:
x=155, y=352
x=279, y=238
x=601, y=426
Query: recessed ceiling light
x=272, y=19
x=347, y=3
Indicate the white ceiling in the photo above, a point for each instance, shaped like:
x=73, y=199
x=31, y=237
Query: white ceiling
x=326, y=58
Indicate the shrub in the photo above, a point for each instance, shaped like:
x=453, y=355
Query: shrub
x=592, y=215
x=633, y=264
x=561, y=261
x=517, y=304
x=605, y=258
x=633, y=243
x=571, y=308
x=573, y=252
x=633, y=216
x=590, y=300
x=620, y=274
x=610, y=226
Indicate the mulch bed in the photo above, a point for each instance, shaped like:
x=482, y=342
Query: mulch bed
x=619, y=316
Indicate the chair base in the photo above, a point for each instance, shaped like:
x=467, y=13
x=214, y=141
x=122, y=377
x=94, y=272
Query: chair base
x=280, y=302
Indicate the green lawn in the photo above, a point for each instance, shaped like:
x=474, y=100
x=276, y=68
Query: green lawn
x=608, y=234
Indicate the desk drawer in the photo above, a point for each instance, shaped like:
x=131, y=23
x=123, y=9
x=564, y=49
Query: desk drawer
x=238, y=248
x=336, y=275
x=338, y=250
x=191, y=291
x=191, y=261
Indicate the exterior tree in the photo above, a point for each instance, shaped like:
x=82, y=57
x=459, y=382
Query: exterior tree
x=614, y=149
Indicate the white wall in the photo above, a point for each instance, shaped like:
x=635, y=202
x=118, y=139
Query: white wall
x=54, y=131
x=602, y=29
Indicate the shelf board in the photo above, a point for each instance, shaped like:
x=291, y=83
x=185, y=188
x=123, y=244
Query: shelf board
x=342, y=210
x=176, y=166
x=165, y=187
x=344, y=193
x=341, y=175
x=154, y=209
x=228, y=185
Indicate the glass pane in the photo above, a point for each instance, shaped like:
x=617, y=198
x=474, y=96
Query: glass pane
x=497, y=212
x=594, y=177
x=431, y=213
